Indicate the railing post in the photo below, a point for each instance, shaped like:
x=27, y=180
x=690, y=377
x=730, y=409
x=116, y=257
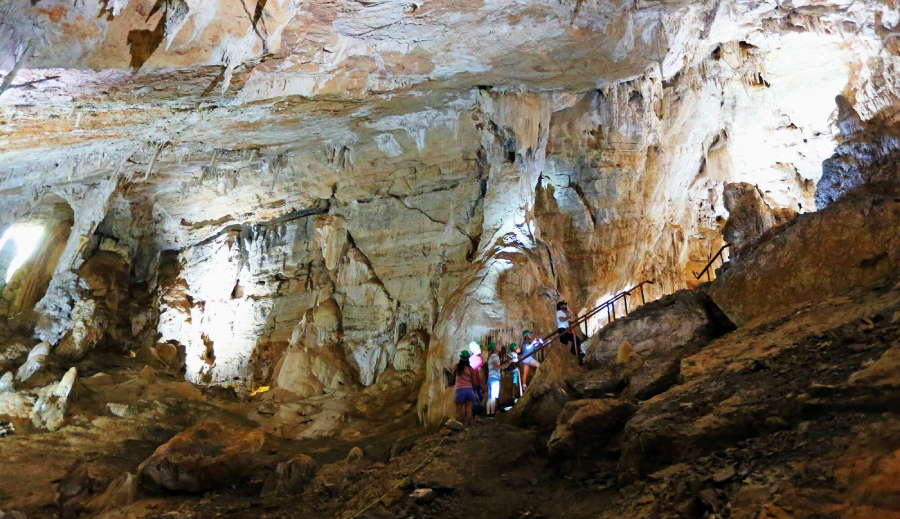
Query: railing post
x=641, y=286
x=625, y=298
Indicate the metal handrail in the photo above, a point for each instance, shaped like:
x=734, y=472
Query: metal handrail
x=610, y=307
x=709, y=265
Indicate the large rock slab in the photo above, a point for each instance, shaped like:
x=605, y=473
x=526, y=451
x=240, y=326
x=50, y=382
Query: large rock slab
x=549, y=391
x=587, y=425
x=660, y=333
x=834, y=355
x=205, y=456
x=852, y=242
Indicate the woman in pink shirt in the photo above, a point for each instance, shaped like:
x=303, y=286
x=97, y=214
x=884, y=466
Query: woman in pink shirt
x=465, y=389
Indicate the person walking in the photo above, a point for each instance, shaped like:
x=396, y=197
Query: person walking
x=529, y=345
x=465, y=391
x=513, y=368
x=476, y=362
x=493, y=365
x=565, y=319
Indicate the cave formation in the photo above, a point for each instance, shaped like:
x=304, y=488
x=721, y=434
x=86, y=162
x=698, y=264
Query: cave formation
x=244, y=241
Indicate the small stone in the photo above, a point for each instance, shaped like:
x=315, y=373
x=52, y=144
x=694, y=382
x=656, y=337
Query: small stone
x=402, y=445
x=422, y=496
x=356, y=455
x=267, y=407
x=121, y=410
x=723, y=475
x=454, y=425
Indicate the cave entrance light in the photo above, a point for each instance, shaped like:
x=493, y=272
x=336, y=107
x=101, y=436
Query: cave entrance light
x=26, y=238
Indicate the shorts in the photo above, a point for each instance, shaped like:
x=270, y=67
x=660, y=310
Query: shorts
x=531, y=361
x=494, y=385
x=464, y=395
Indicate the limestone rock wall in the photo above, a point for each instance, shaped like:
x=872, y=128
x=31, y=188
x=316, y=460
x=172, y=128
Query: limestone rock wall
x=325, y=300
x=300, y=195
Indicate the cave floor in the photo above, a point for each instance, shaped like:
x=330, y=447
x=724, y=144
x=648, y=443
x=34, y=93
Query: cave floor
x=793, y=417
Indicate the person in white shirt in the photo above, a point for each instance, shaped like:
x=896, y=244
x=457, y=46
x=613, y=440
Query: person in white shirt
x=564, y=318
x=493, y=366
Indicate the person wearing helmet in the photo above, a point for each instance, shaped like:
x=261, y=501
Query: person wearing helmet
x=564, y=319
x=493, y=365
x=529, y=345
x=476, y=361
x=465, y=391
x=513, y=367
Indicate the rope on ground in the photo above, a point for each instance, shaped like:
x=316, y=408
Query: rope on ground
x=426, y=461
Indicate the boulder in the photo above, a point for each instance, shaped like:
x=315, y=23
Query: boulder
x=660, y=334
x=203, y=457
x=292, y=475
x=170, y=355
x=587, y=425
x=403, y=445
x=749, y=216
x=356, y=455
x=75, y=488
x=121, y=492
x=548, y=391
x=853, y=242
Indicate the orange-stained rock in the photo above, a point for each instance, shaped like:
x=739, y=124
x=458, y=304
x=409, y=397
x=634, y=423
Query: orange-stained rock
x=548, y=392
x=202, y=457
x=852, y=242
x=660, y=334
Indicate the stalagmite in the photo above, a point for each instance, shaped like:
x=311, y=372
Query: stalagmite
x=50, y=408
x=37, y=359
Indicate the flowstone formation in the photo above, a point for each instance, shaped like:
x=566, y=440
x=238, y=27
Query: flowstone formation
x=245, y=237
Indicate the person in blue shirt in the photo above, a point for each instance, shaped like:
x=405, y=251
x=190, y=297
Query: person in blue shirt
x=529, y=345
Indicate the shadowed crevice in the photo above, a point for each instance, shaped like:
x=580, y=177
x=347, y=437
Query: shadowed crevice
x=143, y=43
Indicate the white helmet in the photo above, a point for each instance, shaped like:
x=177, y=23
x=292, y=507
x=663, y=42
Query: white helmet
x=475, y=348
